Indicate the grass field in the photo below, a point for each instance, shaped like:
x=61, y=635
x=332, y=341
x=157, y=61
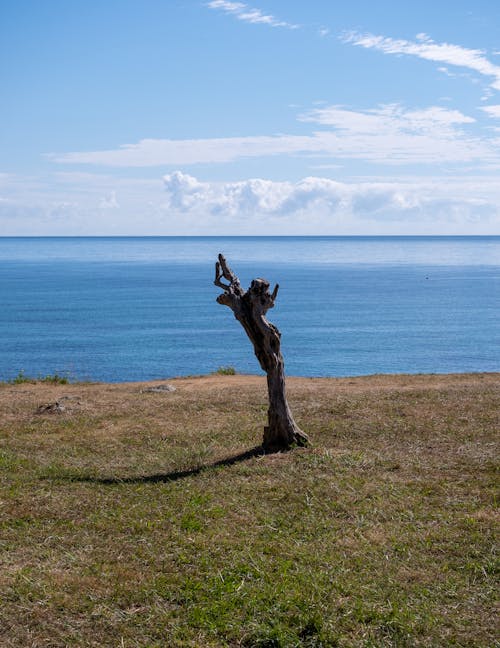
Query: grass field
x=133, y=518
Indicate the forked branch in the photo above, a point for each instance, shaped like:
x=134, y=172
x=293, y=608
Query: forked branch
x=222, y=270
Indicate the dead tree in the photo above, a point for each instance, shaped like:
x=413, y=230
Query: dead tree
x=250, y=309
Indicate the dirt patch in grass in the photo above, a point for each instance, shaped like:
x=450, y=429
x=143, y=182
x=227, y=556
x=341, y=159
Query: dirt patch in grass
x=138, y=518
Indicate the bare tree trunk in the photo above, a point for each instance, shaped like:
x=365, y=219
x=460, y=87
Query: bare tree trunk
x=250, y=308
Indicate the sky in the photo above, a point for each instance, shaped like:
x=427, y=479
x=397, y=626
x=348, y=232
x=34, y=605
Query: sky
x=273, y=117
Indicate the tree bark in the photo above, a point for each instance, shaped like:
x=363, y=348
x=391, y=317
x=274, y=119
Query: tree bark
x=249, y=309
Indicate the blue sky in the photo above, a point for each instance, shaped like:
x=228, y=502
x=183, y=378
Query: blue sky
x=149, y=117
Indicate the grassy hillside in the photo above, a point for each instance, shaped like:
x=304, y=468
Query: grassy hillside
x=133, y=518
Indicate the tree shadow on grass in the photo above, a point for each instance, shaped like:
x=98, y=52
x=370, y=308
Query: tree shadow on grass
x=171, y=476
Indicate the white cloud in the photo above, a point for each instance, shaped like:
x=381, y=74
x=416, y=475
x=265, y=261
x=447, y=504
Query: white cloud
x=427, y=49
x=248, y=14
x=492, y=111
x=417, y=202
x=388, y=135
x=158, y=152
x=109, y=201
x=390, y=118
x=73, y=203
x=186, y=193
x=68, y=204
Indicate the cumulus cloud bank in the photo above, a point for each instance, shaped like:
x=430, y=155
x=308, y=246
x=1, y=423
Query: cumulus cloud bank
x=87, y=204
x=315, y=196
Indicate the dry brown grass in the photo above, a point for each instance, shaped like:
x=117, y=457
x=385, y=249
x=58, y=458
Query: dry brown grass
x=120, y=526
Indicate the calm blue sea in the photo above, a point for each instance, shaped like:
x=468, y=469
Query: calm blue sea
x=124, y=309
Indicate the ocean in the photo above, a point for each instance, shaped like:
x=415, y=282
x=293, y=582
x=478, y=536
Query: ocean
x=130, y=309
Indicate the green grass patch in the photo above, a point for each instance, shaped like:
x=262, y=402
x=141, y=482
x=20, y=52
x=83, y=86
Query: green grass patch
x=140, y=521
x=225, y=371
x=54, y=379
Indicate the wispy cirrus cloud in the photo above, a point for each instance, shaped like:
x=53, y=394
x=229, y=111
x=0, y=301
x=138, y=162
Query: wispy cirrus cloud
x=390, y=118
x=158, y=152
x=389, y=135
x=425, y=48
x=243, y=12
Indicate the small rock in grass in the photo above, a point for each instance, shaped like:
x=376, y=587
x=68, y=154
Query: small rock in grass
x=158, y=389
x=51, y=408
